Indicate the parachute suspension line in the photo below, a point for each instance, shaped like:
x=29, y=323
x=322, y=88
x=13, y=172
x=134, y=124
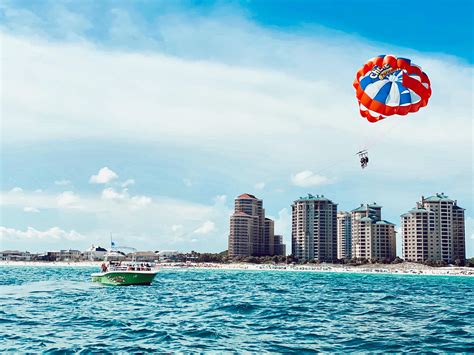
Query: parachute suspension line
x=333, y=164
x=378, y=138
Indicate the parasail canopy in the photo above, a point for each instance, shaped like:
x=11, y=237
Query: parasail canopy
x=387, y=85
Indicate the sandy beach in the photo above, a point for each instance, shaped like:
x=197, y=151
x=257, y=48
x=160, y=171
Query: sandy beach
x=398, y=269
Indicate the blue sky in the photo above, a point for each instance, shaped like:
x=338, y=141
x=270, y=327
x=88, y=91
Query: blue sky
x=189, y=104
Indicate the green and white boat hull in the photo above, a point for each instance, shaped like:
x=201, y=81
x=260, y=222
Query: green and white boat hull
x=124, y=278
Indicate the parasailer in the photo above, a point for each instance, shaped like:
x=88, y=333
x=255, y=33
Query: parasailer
x=364, y=158
x=387, y=85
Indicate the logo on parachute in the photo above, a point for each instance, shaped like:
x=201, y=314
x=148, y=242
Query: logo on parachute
x=382, y=72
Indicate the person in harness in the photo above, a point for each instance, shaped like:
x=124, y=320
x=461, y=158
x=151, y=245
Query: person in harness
x=364, y=159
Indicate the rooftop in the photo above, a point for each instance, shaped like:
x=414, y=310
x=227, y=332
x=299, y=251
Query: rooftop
x=374, y=205
x=313, y=198
x=420, y=210
x=385, y=222
x=247, y=196
x=363, y=208
x=438, y=198
x=96, y=248
x=343, y=213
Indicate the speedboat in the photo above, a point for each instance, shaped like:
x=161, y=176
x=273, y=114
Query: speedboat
x=116, y=271
x=125, y=274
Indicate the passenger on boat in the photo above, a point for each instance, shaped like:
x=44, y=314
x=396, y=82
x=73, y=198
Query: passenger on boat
x=104, y=267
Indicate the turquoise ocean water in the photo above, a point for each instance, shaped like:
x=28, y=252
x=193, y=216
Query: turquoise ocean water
x=59, y=309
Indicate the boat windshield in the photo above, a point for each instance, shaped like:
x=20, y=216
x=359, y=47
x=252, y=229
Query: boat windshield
x=125, y=266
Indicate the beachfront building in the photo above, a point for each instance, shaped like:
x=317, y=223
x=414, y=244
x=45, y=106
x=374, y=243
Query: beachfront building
x=15, y=255
x=268, y=242
x=314, y=229
x=251, y=234
x=344, y=235
x=144, y=256
x=434, y=231
x=94, y=253
x=167, y=255
x=373, y=238
x=62, y=255
x=279, y=246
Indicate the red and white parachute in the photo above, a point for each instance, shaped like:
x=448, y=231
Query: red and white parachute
x=387, y=85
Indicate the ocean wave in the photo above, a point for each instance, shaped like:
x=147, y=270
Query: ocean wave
x=59, y=310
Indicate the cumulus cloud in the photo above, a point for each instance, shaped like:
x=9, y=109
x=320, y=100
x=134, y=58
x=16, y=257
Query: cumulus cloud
x=104, y=176
x=68, y=200
x=293, y=107
x=134, y=202
x=128, y=182
x=62, y=182
x=30, y=209
x=31, y=233
x=111, y=194
x=206, y=228
x=140, y=201
x=16, y=190
x=307, y=178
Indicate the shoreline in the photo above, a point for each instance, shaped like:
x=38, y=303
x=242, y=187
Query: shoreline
x=384, y=269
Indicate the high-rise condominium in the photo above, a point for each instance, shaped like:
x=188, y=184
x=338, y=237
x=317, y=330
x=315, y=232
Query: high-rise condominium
x=344, y=235
x=372, y=237
x=434, y=230
x=314, y=229
x=280, y=247
x=251, y=234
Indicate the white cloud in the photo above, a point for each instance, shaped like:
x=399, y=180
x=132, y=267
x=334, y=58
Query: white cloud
x=187, y=182
x=220, y=199
x=140, y=201
x=62, y=182
x=110, y=194
x=307, y=178
x=134, y=202
x=30, y=233
x=104, y=176
x=162, y=221
x=31, y=210
x=291, y=106
x=68, y=200
x=128, y=182
x=16, y=190
x=259, y=185
x=206, y=228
